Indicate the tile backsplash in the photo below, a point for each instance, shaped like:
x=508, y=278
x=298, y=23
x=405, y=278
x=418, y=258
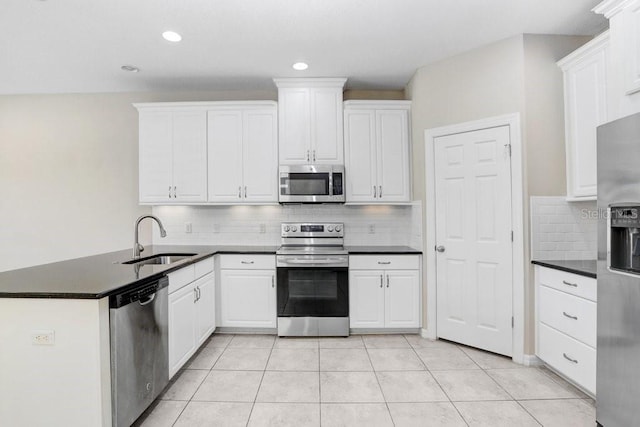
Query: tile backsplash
x=562, y=230
x=260, y=225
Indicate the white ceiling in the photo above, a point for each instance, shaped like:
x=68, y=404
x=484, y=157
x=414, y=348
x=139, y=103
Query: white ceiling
x=60, y=46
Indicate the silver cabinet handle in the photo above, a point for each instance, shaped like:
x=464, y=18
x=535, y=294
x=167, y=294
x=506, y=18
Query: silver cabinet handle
x=384, y=262
x=307, y=156
x=374, y=192
x=245, y=191
x=246, y=262
x=195, y=295
x=440, y=248
x=199, y=293
x=569, y=316
x=273, y=282
x=381, y=281
x=569, y=359
x=239, y=192
x=169, y=191
x=575, y=285
x=387, y=280
x=175, y=192
x=380, y=191
x=314, y=155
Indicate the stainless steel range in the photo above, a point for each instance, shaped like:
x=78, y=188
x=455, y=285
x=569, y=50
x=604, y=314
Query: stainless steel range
x=313, y=280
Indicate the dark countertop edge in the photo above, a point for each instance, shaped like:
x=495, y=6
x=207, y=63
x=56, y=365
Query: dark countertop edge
x=382, y=250
x=353, y=250
x=555, y=266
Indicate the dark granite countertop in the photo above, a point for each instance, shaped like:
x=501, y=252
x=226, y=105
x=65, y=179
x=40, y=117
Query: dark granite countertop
x=102, y=275
x=586, y=268
x=386, y=250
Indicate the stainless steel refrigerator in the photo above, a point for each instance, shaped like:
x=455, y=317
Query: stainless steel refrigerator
x=618, y=365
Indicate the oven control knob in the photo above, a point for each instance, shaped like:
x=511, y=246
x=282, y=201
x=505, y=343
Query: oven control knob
x=287, y=228
x=294, y=228
x=330, y=228
x=338, y=228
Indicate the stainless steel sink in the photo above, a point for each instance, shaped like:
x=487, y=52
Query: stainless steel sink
x=160, y=259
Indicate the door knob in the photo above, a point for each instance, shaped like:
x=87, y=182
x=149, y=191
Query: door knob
x=440, y=248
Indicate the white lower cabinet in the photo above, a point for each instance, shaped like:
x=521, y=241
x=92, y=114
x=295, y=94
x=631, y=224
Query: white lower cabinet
x=248, y=291
x=566, y=325
x=191, y=312
x=384, y=291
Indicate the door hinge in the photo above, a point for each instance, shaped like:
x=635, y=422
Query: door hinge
x=512, y=322
x=508, y=148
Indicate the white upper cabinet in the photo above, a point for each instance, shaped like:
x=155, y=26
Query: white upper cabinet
x=172, y=154
x=623, y=80
x=310, y=121
x=377, y=147
x=242, y=153
x=585, y=99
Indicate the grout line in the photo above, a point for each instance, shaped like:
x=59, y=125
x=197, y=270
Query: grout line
x=375, y=374
x=255, y=398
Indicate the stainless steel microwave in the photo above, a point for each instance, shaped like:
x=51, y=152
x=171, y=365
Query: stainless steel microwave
x=311, y=184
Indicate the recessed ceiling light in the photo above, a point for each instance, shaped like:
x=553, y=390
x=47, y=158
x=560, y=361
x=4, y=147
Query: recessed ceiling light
x=172, y=36
x=130, y=68
x=300, y=66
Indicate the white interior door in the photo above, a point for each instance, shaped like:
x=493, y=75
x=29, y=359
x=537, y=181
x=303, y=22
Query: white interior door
x=473, y=236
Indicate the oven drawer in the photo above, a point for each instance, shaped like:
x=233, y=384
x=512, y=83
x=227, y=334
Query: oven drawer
x=384, y=262
x=248, y=262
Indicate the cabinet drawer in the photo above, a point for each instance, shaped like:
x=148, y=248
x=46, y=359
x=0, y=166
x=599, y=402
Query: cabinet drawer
x=180, y=278
x=574, y=284
x=203, y=267
x=572, y=315
x=248, y=262
x=384, y=262
x=556, y=348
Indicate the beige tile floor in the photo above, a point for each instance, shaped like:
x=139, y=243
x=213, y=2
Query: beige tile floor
x=363, y=380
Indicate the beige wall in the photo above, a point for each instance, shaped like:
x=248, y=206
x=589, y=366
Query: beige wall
x=69, y=173
x=516, y=75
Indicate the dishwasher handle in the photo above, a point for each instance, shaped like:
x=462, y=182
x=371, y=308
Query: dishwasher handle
x=141, y=293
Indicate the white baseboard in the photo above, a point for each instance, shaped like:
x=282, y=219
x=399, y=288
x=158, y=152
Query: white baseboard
x=428, y=333
x=531, y=360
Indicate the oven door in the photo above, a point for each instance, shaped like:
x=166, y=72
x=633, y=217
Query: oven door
x=313, y=291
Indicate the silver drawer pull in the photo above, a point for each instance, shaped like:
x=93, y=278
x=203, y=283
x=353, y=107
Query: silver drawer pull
x=575, y=285
x=569, y=316
x=384, y=262
x=569, y=359
x=246, y=262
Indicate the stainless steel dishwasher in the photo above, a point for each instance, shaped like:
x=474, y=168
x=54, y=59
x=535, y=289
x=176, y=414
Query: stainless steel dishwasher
x=138, y=320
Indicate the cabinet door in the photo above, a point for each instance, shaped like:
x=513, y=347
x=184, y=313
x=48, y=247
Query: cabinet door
x=182, y=327
x=225, y=155
x=205, y=307
x=260, y=150
x=402, y=299
x=360, y=156
x=155, y=156
x=294, y=126
x=586, y=109
x=248, y=298
x=392, y=131
x=326, y=126
x=366, y=298
x=190, y=156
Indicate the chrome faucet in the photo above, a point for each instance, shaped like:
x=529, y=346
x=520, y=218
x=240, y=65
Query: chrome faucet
x=137, y=247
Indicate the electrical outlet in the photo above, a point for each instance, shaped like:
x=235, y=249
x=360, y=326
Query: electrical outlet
x=187, y=227
x=263, y=228
x=43, y=337
x=372, y=228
